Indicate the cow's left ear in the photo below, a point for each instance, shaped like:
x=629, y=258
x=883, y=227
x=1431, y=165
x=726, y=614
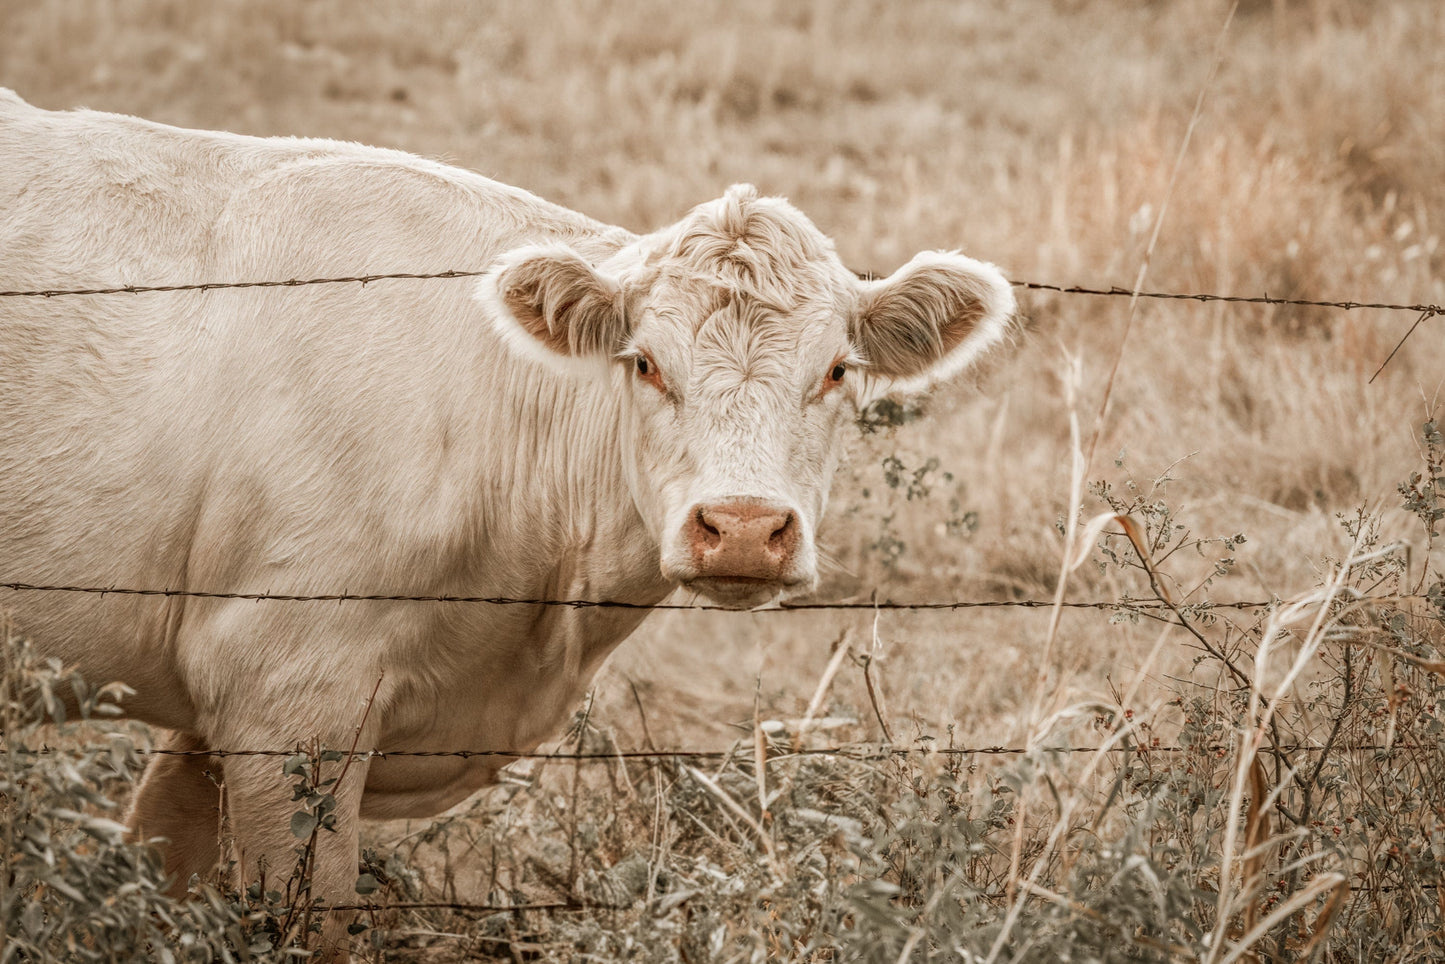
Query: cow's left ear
x=549, y=303
x=931, y=318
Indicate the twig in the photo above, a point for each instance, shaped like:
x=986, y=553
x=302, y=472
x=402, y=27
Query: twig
x=866, y=660
x=356, y=735
x=641, y=715
x=733, y=807
x=1429, y=312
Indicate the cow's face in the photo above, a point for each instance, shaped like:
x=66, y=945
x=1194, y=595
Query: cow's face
x=740, y=346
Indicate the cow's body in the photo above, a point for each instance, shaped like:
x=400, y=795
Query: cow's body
x=387, y=439
x=375, y=439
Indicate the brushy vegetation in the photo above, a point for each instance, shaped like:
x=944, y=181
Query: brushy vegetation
x=1288, y=809
x=71, y=886
x=1270, y=785
x=74, y=886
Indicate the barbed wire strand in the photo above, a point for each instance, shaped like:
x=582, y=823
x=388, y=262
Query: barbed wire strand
x=1122, y=605
x=577, y=906
x=1117, y=292
x=885, y=604
x=574, y=906
x=857, y=754
x=364, y=279
x=555, y=907
x=552, y=907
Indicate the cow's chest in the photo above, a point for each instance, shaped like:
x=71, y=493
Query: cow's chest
x=508, y=682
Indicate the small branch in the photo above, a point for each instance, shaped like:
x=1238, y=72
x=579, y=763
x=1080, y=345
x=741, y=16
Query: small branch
x=1282, y=759
x=356, y=735
x=866, y=662
x=733, y=807
x=641, y=715
x=1427, y=313
x=840, y=651
x=1307, y=805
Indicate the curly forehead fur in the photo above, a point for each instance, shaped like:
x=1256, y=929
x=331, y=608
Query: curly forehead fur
x=763, y=249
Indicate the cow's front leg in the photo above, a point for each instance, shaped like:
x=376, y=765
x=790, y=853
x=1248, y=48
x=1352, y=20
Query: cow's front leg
x=179, y=800
x=309, y=858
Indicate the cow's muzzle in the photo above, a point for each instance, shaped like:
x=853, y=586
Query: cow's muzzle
x=742, y=551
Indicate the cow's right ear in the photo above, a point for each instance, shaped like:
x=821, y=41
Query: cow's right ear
x=549, y=303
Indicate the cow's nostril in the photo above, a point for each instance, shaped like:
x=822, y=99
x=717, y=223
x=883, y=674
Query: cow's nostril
x=710, y=533
x=783, y=536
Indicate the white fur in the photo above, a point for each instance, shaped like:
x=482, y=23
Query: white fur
x=401, y=437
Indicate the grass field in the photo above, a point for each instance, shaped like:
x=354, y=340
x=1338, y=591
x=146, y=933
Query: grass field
x=1041, y=135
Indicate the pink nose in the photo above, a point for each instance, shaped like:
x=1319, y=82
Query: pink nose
x=742, y=539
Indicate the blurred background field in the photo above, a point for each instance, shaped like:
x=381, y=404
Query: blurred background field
x=1036, y=134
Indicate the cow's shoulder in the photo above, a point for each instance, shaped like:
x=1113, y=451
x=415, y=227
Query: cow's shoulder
x=354, y=205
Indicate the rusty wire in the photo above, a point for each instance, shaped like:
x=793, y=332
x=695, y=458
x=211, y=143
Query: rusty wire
x=1126, y=604
x=364, y=279
x=1117, y=292
x=552, y=907
x=574, y=906
x=856, y=753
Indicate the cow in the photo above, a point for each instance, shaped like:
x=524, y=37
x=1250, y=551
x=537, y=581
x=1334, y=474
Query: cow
x=601, y=415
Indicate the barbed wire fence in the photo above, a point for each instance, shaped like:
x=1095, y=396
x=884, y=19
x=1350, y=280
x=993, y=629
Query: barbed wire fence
x=1125, y=604
x=773, y=751
x=859, y=752
x=863, y=753
x=1424, y=311
x=364, y=279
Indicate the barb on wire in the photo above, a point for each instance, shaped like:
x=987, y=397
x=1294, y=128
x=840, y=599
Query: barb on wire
x=1125, y=604
x=363, y=279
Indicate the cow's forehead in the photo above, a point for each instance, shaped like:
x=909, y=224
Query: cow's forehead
x=730, y=338
x=745, y=251
x=696, y=303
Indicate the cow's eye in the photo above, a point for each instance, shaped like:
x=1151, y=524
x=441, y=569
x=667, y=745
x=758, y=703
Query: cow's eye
x=833, y=378
x=647, y=371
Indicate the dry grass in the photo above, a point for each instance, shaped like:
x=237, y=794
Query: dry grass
x=1039, y=135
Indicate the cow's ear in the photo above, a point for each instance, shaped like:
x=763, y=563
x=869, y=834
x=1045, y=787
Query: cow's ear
x=931, y=318
x=548, y=302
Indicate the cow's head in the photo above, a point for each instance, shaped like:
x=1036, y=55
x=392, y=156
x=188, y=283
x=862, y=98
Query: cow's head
x=740, y=346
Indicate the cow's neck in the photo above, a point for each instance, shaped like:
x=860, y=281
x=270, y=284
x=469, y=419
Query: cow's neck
x=564, y=496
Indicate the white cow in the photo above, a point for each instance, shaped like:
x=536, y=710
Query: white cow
x=604, y=416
